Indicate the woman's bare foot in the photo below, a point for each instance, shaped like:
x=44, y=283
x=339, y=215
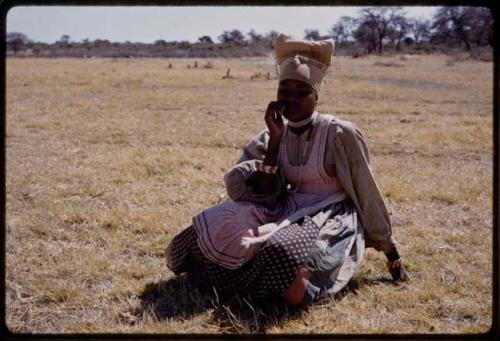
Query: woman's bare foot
x=397, y=270
x=296, y=291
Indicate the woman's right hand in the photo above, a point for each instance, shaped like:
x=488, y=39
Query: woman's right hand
x=397, y=270
x=274, y=121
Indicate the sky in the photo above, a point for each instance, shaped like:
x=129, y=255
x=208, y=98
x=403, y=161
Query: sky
x=148, y=24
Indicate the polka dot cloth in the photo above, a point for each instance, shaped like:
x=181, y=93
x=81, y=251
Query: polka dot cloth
x=270, y=272
x=181, y=250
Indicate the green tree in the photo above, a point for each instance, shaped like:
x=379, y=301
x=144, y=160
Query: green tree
x=312, y=35
x=205, y=39
x=255, y=38
x=270, y=37
x=234, y=36
x=160, y=42
x=64, y=41
x=16, y=40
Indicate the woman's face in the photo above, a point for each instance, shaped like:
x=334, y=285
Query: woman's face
x=298, y=97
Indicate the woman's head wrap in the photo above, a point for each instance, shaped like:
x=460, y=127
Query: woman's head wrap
x=303, y=60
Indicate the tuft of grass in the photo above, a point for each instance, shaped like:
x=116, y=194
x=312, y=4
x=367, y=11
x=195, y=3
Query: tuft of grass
x=60, y=293
x=443, y=198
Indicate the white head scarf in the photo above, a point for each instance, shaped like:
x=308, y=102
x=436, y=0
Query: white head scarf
x=303, y=60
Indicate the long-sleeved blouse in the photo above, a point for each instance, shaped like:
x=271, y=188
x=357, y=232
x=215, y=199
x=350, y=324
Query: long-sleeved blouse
x=346, y=157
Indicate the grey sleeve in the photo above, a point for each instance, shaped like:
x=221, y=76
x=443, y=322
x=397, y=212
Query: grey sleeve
x=236, y=178
x=374, y=214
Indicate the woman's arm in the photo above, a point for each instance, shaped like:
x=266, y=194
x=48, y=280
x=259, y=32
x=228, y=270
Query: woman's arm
x=254, y=178
x=239, y=178
x=266, y=180
x=373, y=212
x=262, y=182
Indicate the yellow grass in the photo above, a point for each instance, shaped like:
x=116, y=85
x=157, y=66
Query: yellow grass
x=107, y=159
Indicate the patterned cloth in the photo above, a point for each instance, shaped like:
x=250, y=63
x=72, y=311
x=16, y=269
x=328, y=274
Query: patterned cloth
x=331, y=253
x=270, y=272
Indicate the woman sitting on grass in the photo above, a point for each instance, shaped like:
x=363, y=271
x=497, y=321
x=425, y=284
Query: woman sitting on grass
x=304, y=202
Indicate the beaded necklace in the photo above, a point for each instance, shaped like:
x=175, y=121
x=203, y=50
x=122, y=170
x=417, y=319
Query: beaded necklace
x=301, y=157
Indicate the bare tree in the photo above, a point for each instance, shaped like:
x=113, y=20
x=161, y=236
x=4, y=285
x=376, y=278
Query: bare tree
x=343, y=30
x=450, y=26
x=380, y=21
x=420, y=29
x=366, y=35
x=463, y=26
x=398, y=30
x=481, y=23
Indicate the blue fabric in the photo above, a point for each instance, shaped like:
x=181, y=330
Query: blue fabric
x=328, y=253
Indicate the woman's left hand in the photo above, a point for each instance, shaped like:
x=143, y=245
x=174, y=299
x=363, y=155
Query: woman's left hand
x=397, y=270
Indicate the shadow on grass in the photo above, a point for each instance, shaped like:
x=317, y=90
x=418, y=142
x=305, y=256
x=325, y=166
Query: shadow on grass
x=177, y=298
x=183, y=297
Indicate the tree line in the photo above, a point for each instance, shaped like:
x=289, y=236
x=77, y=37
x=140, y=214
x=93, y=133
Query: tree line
x=371, y=31
x=376, y=27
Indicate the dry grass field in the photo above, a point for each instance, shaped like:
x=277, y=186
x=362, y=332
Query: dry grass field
x=107, y=159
